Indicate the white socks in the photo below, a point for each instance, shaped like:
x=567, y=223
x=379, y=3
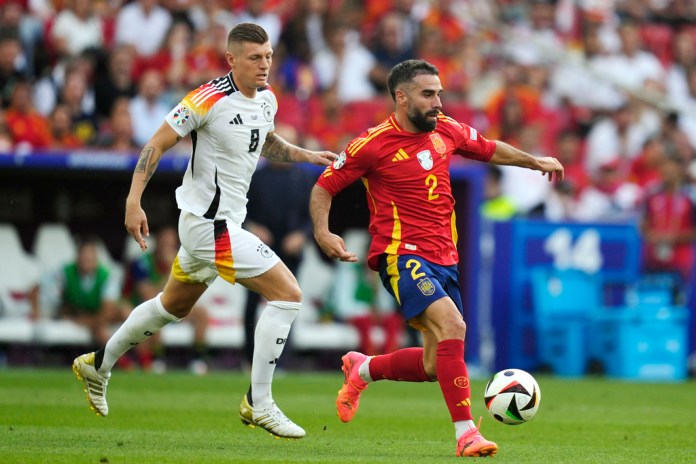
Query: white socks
x=271, y=334
x=461, y=427
x=364, y=370
x=146, y=319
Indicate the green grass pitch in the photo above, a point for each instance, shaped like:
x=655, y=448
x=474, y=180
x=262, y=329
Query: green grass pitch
x=179, y=418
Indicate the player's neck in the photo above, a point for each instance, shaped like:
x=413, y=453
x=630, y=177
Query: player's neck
x=249, y=93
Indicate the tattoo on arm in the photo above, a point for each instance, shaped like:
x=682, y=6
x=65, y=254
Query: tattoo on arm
x=277, y=149
x=147, y=163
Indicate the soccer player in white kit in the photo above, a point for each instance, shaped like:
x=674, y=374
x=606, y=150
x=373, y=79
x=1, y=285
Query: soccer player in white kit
x=230, y=120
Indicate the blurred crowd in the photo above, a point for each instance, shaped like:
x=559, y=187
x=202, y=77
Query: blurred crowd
x=607, y=86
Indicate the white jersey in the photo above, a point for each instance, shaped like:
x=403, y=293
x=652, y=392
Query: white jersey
x=228, y=131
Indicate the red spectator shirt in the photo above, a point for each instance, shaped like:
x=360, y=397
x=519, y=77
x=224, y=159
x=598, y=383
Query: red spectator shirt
x=673, y=212
x=407, y=179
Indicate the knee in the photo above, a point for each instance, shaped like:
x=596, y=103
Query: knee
x=454, y=328
x=291, y=293
x=175, y=307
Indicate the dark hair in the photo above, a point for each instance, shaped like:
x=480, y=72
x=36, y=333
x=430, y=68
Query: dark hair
x=406, y=71
x=247, y=32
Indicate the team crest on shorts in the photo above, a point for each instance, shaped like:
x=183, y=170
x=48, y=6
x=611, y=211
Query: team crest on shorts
x=426, y=287
x=425, y=159
x=181, y=115
x=340, y=161
x=265, y=251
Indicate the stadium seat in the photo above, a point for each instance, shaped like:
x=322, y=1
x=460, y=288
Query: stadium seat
x=54, y=246
x=19, y=274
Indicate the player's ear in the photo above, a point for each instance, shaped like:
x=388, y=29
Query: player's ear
x=401, y=97
x=230, y=58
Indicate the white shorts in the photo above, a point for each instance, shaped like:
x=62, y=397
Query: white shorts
x=211, y=248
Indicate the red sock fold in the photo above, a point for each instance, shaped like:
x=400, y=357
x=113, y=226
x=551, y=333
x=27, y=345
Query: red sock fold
x=454, y=378
x=404, y=365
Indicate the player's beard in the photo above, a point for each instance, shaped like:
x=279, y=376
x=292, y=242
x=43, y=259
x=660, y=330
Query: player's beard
x=421, y=121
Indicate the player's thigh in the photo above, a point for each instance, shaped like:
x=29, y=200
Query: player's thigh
x=276, y=284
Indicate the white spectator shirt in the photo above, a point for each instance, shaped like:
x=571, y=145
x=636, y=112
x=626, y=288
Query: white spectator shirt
x=78, y=34
x=146, y=32
x=227, y=131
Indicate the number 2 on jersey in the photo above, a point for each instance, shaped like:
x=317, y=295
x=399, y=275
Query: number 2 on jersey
x=431, y=183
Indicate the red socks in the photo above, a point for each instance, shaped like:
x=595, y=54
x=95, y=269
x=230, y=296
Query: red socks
x=407, y=365
x=454, y=378
x=402, y=365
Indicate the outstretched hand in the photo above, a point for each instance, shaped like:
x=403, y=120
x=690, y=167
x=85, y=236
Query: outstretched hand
x=322, y=158
x=550, y=166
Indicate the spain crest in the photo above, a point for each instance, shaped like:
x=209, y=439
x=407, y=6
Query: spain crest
x=438, y=143
x=426, y=287
x=425, y=159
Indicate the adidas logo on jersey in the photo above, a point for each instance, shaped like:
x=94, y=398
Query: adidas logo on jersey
x=400, y=155
x=237, y=120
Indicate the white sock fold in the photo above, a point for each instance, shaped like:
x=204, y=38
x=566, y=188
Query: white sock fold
x=145, y=320
x=271, y=334
x=364, y=370
x=461, y=427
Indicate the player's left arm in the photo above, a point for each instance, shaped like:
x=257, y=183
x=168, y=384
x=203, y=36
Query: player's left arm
x=506, y=154
x=275, y=148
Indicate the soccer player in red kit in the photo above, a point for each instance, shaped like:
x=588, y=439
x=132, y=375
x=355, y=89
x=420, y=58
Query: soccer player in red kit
x=404, y=165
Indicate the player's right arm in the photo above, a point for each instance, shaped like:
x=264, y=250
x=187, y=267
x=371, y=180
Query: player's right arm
x=331, y=244
x=136, y=219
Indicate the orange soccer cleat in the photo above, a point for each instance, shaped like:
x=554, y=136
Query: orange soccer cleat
x=472, y=444
x=348, y=398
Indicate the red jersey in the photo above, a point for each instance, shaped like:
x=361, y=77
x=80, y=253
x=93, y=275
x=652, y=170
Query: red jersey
x=408, y=185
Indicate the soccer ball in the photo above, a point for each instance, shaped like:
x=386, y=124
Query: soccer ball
x=512, y=396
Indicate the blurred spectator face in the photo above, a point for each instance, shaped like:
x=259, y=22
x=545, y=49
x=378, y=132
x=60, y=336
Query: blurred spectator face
x=653, y=151
x=568, y=148
x=10, y=49
x=74, y=89
x=592, y=43
x=684, y=48
x=121, y=123
x=391, y=33
x=543, y=14
x=672, y=170
x=148, y=4
x=336, y=37
x=81, y=8
x=11, y=14
x=121, y=61
x=20, y=100
x=317, y=6
x=60, y=120
x=87, y=259
x=255, y=7
x=179, y=39
x=630, y=38
x=151, y=84
x=623, y=117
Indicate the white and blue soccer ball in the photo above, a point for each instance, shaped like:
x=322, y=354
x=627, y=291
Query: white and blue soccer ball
x=512, y=396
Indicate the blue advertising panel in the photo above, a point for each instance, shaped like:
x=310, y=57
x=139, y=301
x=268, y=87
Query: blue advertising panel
x=611, y=251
